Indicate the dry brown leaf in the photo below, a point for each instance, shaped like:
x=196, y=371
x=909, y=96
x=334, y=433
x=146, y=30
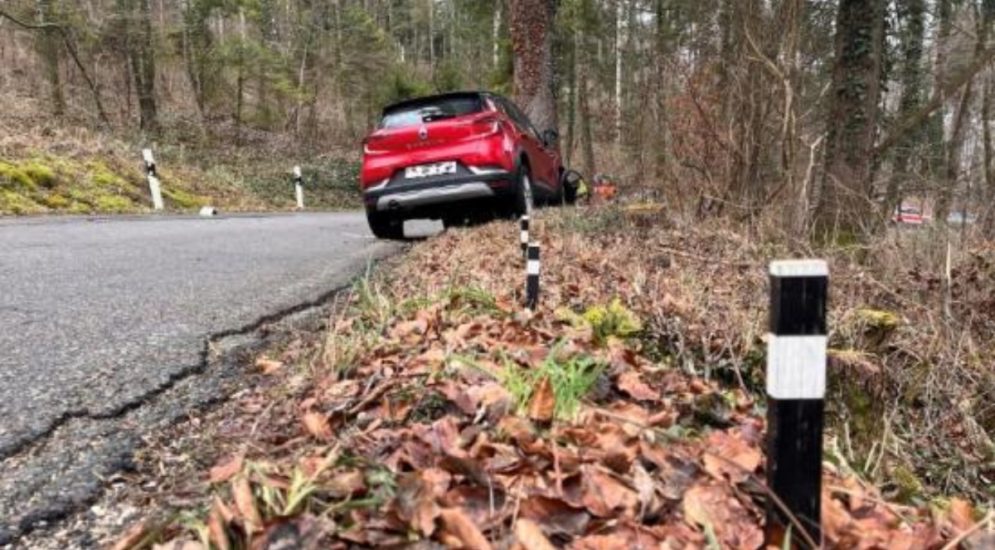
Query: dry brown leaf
x=543, y=403
x=460, y=526
x=415, y=503
x=961, y=514
x=131, y=537
x=346, y=483
x=216, y=531
x=317, y=425
x=245, y=503
x=226, y=469
x=605, y=496
x=632, y=383
x=711, y=506
x=530, y=536
x=728, y=455
x=268, y=366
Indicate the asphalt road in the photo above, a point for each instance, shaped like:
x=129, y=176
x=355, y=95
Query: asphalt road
x=100, y=316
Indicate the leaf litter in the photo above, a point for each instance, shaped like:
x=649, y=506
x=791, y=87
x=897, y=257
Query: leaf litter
x=462, y=421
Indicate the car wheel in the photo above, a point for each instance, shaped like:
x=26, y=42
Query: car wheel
x=524, y=198
x=385, y=226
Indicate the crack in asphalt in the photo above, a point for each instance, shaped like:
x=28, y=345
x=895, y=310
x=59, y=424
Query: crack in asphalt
x=60, y=511
x=19, y=447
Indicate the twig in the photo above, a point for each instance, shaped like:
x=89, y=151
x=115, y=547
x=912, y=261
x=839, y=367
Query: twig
x=964, y=534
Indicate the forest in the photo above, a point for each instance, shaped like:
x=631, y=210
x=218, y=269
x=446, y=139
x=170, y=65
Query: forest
x=825, y=115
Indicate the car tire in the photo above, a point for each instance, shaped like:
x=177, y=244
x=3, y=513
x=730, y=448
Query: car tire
x=385, y=226
x=524, y=201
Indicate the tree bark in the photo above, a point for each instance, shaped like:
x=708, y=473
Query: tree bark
x=845, y=205
x=586, y=139
x=531, y=25
x=48, y=48
x=912, y=12
x=143, y=68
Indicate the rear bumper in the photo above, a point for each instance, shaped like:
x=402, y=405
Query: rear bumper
x=431, y=197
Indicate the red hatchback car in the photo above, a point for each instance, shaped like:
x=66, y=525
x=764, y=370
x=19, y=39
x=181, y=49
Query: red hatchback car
x=457, y=157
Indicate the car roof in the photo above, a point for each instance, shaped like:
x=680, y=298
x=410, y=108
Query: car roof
x=430, y=98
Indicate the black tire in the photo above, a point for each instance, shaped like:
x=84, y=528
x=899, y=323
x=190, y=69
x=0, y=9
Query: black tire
x=521, y=201
x=385, y=226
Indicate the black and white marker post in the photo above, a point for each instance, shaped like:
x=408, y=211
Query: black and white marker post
x=523, y=237
x=796, y=386
x=299, y=187
x=155, y=189
x=532, y=277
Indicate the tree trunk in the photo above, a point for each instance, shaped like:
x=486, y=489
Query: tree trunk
x=912, y=12
x=619, y=17
x=568, y=143
x=532, y=41
x=586, y=139
x=143, y=69
x=48, y=47
x=845, y=205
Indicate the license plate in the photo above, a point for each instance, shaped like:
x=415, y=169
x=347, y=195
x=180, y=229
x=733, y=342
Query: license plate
x=429, y=170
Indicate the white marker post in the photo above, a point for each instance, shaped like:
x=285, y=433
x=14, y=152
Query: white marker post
x=299, y=187
x=796, y=387
x=523, y=239
x=154, y=187
x=532, y=277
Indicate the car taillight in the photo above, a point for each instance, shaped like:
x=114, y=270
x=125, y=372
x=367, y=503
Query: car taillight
x=370, y=143
x=486, y=126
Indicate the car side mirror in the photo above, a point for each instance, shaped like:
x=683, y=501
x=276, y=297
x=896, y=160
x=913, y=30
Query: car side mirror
x=549, y=137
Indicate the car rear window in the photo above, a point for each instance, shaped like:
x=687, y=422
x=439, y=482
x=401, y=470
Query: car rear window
x=430, y=109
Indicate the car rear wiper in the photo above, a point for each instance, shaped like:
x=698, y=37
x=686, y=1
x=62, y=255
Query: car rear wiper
x=433, y=117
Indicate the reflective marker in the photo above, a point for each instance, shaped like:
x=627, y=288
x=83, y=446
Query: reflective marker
x=796, y=386
x=155, y=189
x=532, y=277
x=299, y=187
x=523, y=240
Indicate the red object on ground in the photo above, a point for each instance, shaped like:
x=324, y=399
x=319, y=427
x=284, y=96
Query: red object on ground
x=453, y=157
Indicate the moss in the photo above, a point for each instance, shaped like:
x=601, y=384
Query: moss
x=12, y=176
x=113, y=203
x=102, y=175
x=55, y=201
x=183, y=199
x=14, y=203
x=40, y=174
x=907, y=484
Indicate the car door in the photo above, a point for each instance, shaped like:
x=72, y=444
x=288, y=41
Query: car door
x=544, y=164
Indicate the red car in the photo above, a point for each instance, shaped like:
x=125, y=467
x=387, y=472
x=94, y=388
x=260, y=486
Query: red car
x=457, y=157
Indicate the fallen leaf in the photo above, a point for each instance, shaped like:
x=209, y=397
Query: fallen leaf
x=631, y=383
x=555, y=515
x=225, y=470
x=131, y=537
x=543, y=402
x=961, y=514
x=415, y=503
x=216, y=531
x=245, y=503
x=268, y=366
x=530, y=536
x=605, y=496
x=729, y=456
x=460, y=526
x=317, y=425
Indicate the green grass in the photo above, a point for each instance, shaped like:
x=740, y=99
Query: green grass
x=571, y=378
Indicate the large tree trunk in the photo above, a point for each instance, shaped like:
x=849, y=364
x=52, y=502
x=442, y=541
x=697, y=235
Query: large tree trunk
x=48, y=46
x=912, y=12
x=846, y=204
x=532, y=41
x=143, y=68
